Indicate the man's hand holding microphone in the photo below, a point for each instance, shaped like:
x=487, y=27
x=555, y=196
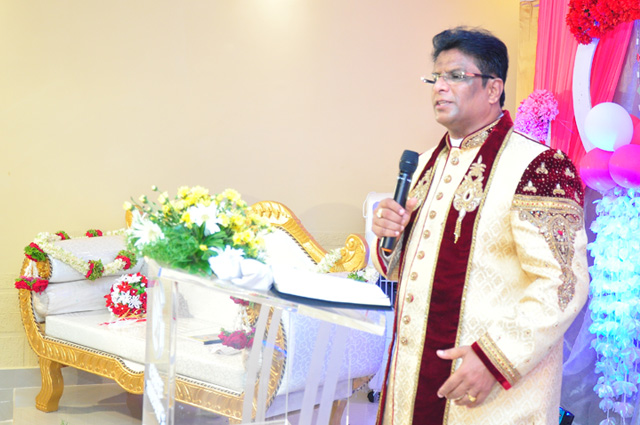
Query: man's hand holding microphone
x=392, y=215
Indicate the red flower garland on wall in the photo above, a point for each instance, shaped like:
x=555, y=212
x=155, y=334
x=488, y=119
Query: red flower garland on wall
x=589, y=19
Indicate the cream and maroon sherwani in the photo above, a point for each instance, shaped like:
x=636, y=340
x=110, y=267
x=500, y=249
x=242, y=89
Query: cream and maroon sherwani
x=494, y=258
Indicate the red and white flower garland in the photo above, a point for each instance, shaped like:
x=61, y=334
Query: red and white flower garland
x=44, y=246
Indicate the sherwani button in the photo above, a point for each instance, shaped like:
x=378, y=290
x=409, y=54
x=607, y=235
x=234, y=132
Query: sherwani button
x=426, y=234
x=432, y=214
x=413, y=276
x=447, y=179
x=404, y=340
x=409, y=298
x=439, y=196
x=455, y=161
x=420, y=255
x=406, y=320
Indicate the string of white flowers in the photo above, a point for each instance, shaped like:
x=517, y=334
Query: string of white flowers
x=46, y=241
x=368, y=274
x=330, y=259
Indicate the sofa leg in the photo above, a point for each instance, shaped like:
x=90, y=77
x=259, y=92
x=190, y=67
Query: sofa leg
x=134, y=404
x=52, y=386
x=337, y=411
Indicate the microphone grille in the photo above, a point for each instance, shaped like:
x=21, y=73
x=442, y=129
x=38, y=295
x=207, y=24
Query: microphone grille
x=409, y=162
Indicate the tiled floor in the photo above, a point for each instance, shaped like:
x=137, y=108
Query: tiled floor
x=91, y=400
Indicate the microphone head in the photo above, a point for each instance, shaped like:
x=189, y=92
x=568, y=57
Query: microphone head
x=409, y=162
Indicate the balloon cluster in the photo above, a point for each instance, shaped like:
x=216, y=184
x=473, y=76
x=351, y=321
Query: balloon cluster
x=616, y=159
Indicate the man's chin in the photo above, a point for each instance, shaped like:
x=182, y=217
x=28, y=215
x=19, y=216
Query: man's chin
x=442, y=118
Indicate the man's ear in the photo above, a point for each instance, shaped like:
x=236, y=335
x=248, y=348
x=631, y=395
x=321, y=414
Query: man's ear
x=495, y=87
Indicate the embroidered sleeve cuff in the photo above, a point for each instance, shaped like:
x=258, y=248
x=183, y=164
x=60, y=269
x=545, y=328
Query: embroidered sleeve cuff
x=495, y=360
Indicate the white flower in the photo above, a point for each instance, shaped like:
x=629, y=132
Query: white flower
x=208, y=216
x=134, y=302
x=329, y=260
x=226, y=265
x=145, y=230
x=371, y=274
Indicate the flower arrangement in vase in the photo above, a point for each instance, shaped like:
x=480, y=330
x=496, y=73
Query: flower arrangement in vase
x=197, y=232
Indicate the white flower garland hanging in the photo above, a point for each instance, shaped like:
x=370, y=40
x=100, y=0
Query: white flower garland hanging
x=615, y=301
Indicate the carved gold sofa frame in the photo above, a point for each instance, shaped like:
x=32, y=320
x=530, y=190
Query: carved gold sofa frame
x=53, y=354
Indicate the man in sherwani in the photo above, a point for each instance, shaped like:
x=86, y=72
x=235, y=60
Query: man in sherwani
x=490, y=255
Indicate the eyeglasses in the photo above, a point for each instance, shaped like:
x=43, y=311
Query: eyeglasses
x=453, y=77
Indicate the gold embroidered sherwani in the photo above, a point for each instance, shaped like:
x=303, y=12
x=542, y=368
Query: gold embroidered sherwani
x=494, y=258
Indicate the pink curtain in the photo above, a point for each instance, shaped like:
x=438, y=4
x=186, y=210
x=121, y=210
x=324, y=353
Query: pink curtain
x=555, y=54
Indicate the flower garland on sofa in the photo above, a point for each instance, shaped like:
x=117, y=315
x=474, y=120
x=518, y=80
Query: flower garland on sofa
x=589, y=19
x=44, y=246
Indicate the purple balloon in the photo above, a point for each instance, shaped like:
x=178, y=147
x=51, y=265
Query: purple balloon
x=594, y=170
x=624, y=166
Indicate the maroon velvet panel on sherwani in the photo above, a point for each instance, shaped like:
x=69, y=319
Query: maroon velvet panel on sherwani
x=446, y=297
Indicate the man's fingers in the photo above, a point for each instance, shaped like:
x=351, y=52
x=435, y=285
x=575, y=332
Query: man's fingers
x=390, y=218
x=411, y=204
x=451, y=353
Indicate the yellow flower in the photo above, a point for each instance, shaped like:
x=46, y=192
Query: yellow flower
x=200, y=192
x=166, y=209
x=224, y=219
x=186, y=218
x=127, y=206
x=243, y=237
x=229, y=194
x=258, y=220
x=178, y=205
x=183, y=191
x=237, y=221
x=163, y=198
x=203, y=247
x=143, y=199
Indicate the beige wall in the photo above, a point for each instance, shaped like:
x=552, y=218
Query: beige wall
x=309, y=102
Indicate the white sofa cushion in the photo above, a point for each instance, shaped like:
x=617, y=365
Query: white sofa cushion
x=127, y=340
x=79, y=295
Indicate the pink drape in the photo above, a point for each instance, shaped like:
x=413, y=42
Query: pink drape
x=555, y=54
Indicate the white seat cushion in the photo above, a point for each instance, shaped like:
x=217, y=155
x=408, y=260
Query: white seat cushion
x=194, y=359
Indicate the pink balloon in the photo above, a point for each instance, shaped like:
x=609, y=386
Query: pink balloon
x=594, y=170
x=635, y=139
x=624, y=166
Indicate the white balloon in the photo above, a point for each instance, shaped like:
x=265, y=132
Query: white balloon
x=608, y=126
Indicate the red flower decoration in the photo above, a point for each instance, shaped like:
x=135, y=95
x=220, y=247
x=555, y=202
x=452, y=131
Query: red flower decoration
x=237, y=339
x=63, y=235
x=589, y=19
x=128, y=257
x=240, y=301
x=35, y=284
x=96, y=269
x=34, y=253
x=128, y=296
x=93, y=233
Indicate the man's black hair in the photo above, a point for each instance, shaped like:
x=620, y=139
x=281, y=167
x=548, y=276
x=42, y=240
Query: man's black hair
x=489, y=52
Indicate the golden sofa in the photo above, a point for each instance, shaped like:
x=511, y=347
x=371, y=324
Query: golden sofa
x=292, y=243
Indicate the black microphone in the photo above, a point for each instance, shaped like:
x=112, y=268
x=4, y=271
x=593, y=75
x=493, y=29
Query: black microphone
x=408, y=165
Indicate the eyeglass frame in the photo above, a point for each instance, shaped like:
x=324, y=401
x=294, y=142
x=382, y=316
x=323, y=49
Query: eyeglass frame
x=446, y=75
